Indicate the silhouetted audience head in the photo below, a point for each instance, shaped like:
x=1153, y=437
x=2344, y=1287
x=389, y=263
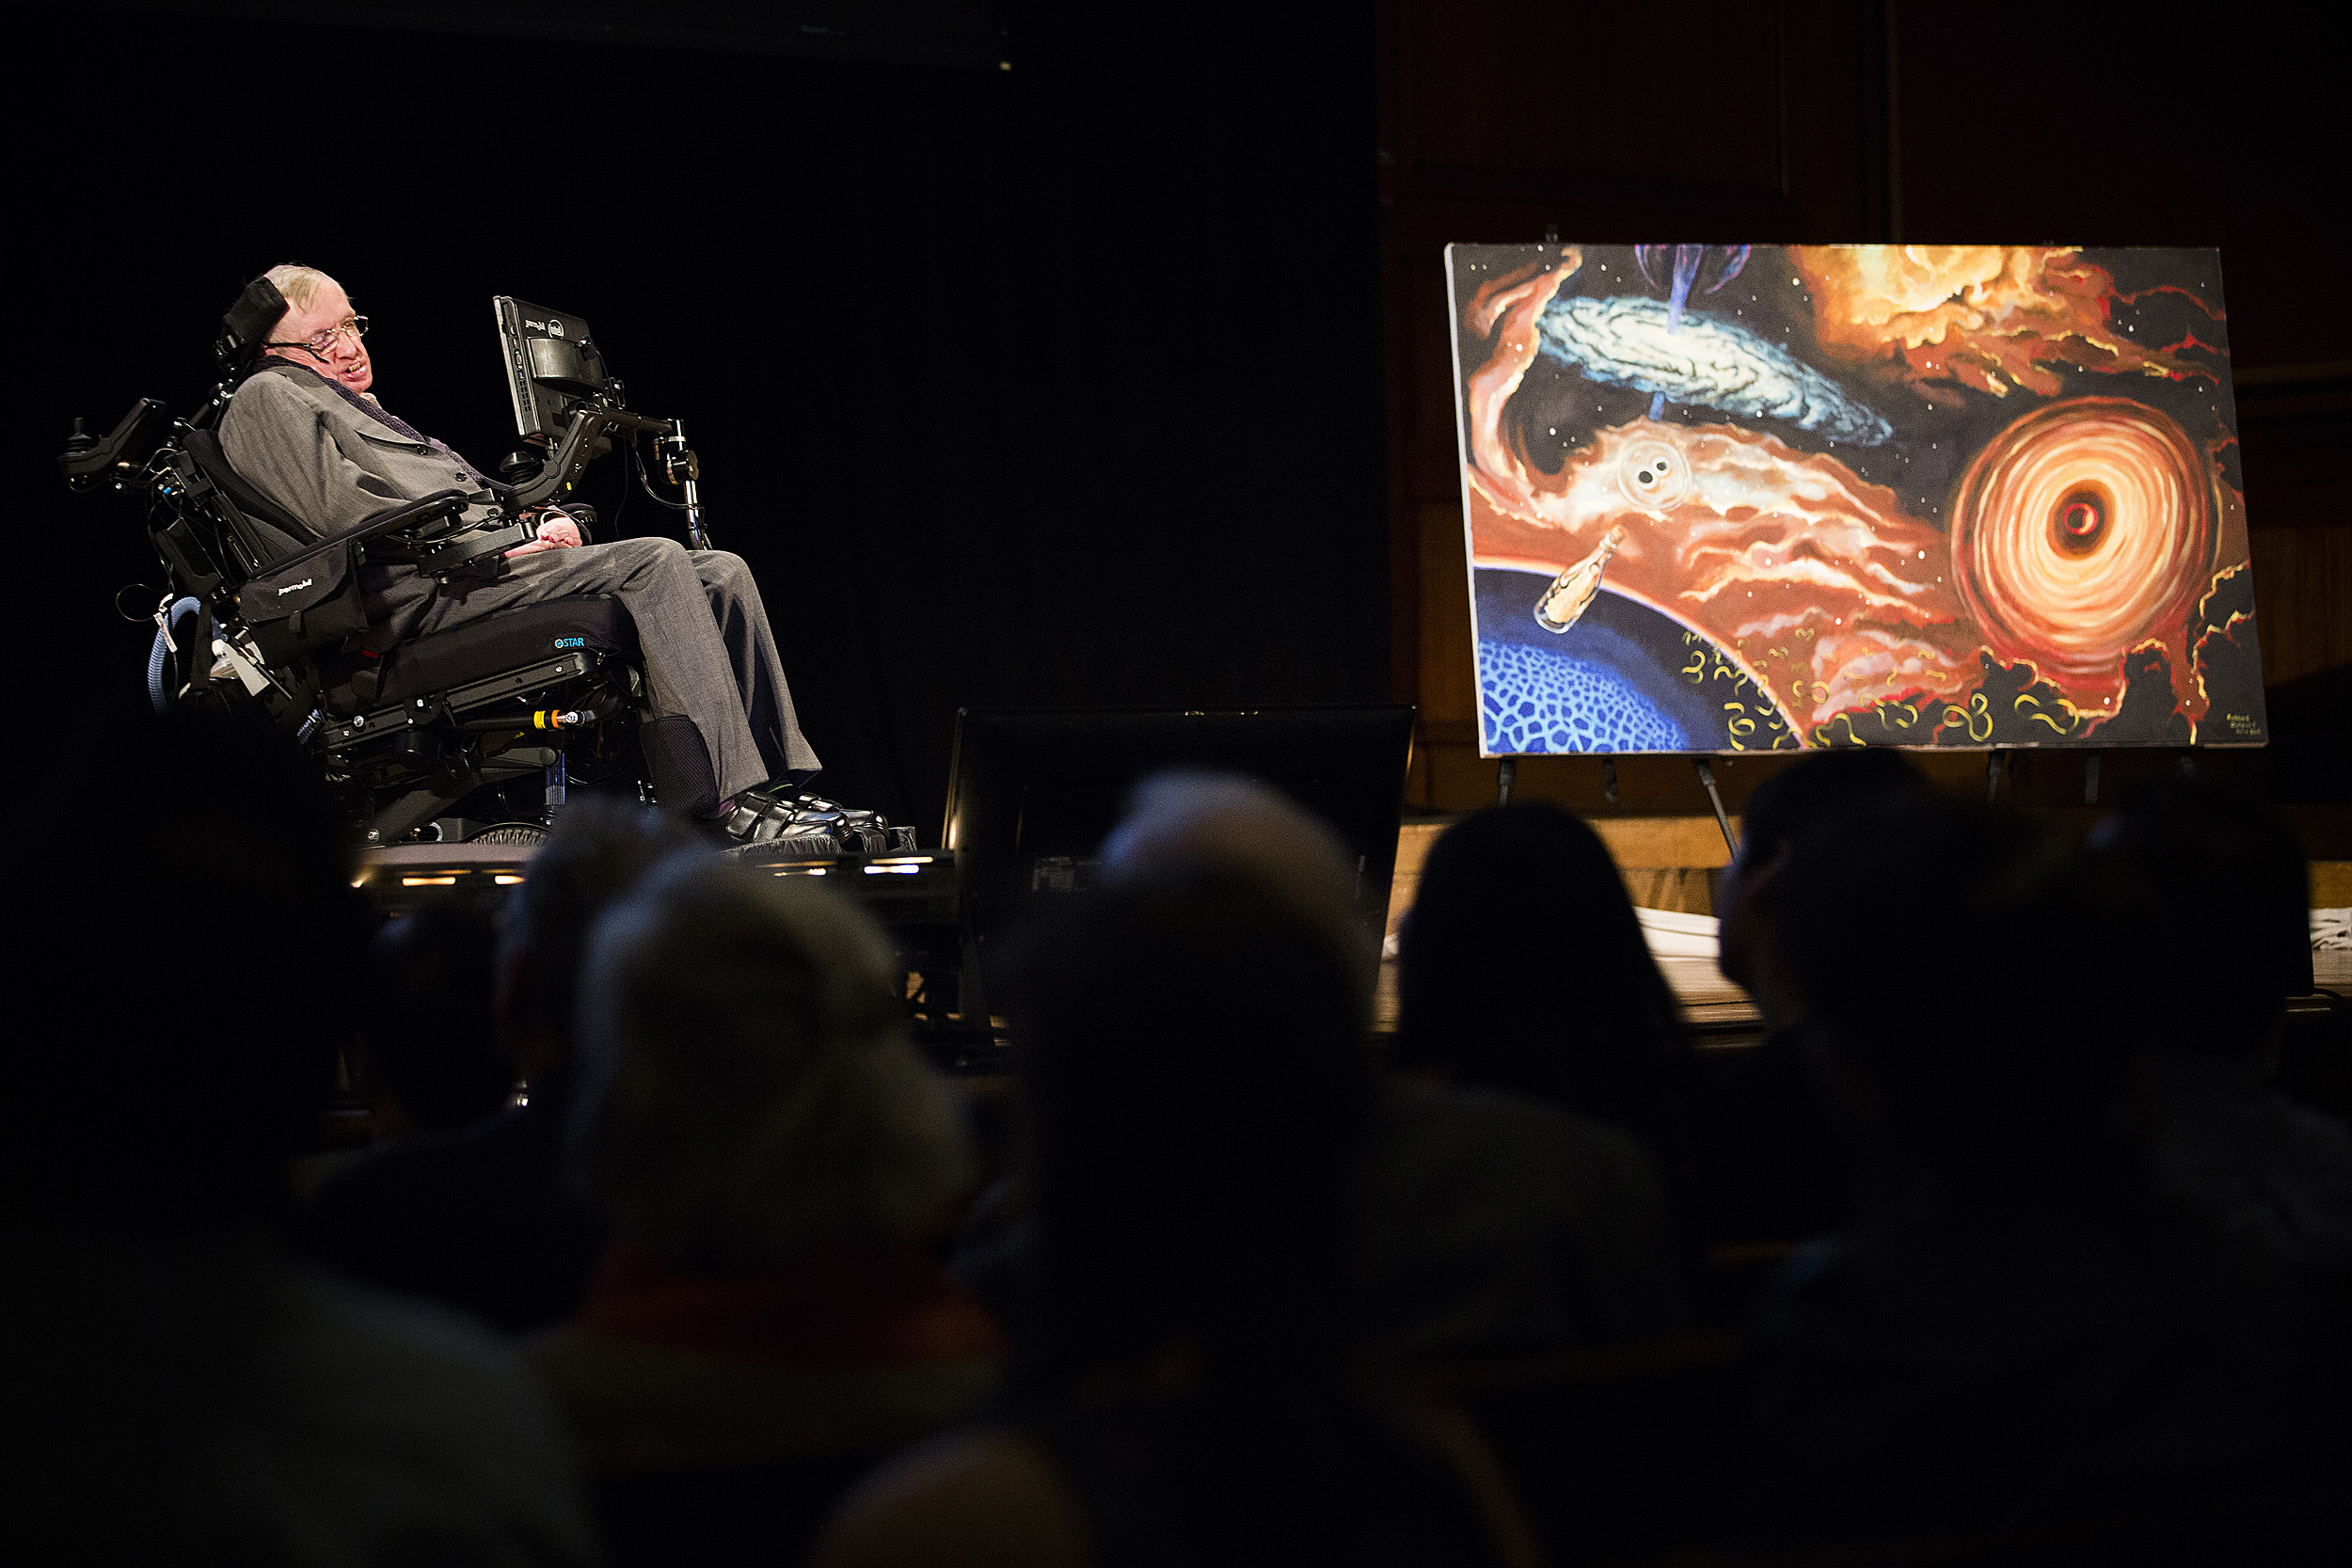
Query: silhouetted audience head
x=1522, y=966
x=596, y=851
x=1178, y=821
x=430, y=1060
x=497, y=1220
x=1197, y=1088
x=1198, y=1082
x=182, y=980
x=1777, y=815
x=765, y=1100
x=2210, y=893
x=1949, y=954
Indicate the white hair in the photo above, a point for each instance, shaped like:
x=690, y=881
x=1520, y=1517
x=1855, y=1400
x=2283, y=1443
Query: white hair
x=1180, y=820
x=298, y=284
x=765, y=1098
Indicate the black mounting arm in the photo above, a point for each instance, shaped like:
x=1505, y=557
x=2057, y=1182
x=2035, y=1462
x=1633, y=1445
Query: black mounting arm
x=572, y=456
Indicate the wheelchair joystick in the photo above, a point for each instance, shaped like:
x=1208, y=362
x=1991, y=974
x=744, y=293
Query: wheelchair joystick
x=522, y=465
x=89, y=461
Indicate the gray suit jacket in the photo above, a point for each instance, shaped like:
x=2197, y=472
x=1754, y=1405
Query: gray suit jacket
x=306, y=445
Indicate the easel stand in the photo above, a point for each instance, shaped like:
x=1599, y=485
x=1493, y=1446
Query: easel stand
x=1715, y=798
x=1507, y=777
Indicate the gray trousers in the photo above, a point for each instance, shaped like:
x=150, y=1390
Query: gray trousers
x=709, y=652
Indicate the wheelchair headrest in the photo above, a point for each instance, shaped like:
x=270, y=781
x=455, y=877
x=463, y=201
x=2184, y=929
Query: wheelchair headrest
x=245, y=326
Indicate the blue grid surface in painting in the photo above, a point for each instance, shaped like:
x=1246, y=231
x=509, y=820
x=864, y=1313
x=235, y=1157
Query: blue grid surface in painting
x=1533, y=700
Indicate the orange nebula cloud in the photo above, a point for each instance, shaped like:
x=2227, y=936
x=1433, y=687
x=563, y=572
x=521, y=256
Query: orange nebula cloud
x=2085, y=530
x=1991, y=317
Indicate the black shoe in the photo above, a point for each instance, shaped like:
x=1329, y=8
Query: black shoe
x=857, y=831
x=777, y=827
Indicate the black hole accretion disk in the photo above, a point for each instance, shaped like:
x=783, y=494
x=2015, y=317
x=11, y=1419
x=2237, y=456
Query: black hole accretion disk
x=2081, y=531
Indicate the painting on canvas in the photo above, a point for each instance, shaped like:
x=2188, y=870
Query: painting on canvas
x=1762, y=497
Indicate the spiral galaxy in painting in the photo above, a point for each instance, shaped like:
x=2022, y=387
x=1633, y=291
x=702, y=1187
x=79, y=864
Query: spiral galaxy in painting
x=1703, y=360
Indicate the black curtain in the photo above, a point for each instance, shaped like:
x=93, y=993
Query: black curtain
x=1049, y=386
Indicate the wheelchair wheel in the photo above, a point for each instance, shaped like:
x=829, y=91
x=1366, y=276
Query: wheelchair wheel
x=510, y=833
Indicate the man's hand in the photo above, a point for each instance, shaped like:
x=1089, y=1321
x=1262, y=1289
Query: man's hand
x=556, y=532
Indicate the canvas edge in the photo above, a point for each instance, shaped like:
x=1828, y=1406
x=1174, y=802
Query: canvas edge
x=2245, y=511
x=1461, y=471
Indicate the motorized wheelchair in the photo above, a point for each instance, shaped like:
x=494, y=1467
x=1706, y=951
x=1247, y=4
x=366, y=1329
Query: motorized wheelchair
x=480, y=731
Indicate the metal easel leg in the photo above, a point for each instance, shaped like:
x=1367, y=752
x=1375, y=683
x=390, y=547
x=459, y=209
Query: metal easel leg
x=1507, y=775
x=1715, y=798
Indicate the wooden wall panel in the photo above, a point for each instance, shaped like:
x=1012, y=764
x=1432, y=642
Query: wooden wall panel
x=2303, y=600
x=1449, y=680
x=1521, y=96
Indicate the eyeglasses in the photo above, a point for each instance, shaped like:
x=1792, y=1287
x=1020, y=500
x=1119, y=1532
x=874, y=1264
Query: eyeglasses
x=319, y=342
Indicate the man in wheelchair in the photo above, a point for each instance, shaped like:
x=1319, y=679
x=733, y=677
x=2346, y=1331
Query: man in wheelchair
x=304, y=430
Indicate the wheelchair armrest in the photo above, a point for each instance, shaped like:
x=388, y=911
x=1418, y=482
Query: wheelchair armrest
x=417, y=511
x=405, y=513
x=457, y=549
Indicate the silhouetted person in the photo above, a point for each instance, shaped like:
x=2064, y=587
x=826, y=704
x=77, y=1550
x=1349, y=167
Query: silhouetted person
x=2015, y=1338
x=429, y=1060
x=1777, y=1164
x=496, y=1220
x=2212, y=892
x=1184, y=821
x=1780, y=812
x=1527, y=1175
x=1522, y=966
x=768, y=1321
x=1177, y=823
x=179, y=1390
x=1198, y=1085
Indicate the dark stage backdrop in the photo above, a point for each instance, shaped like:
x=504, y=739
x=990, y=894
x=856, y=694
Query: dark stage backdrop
x=1055, y=385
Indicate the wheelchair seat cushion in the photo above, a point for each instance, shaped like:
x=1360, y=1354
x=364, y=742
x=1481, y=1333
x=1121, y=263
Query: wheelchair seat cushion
x=509, y=640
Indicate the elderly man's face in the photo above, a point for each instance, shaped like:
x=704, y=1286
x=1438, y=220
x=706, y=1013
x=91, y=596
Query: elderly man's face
x=342, y=356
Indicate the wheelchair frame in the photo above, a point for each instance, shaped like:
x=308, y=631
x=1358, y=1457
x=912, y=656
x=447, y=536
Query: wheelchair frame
x=445, y=761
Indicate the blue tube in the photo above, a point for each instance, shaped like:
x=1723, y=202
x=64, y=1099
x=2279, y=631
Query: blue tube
x=155, y=656
x=155, y=672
